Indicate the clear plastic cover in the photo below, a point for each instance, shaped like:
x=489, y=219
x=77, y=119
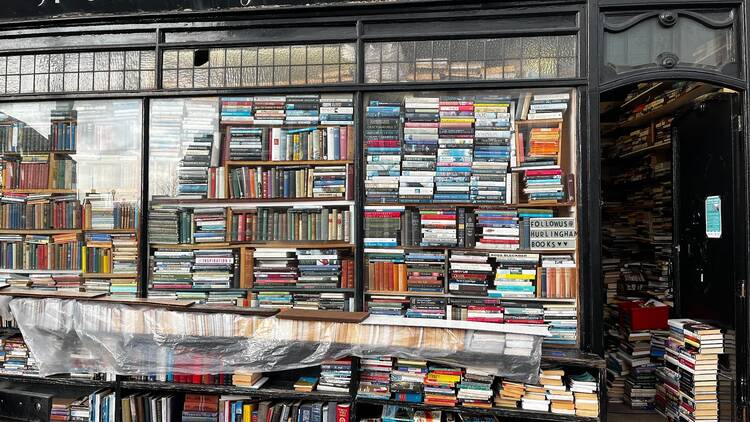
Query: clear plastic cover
x=68, y=336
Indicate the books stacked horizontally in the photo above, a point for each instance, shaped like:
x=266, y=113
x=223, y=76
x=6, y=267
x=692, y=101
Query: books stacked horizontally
x=247, y=379
x=585, y=388
x=302, y=109
x=200, y=408
x=492, y=151
x=497, y=229
x=383, y=138
x=427, y=307
x=210, y=225
x=469, y=273
x=192, y=172
x=523, y=313
x=124, y=253
x=407, y=380
x=548, y=106
x=274, y=299
x=17, y=358
x=440, y=386
x=275, y=267
x=562, y=321
x=543, y=185
x=561, y=400
x=640, y=384
x=246, y=143
x=213, y=268
x=172, y=270
x=387, y=305
x=456, y=140
x=374, y=379
x=329, y=181
x=319, y=268
x=382, y=226
x=237, y=110
x=336, y=375
x=515, y=275
x=336, y=109
x=269, y=110
x=475, y=389
x=163, y=226
x=693, y=350
x=425, y=271
x=421, y=121
x=509, y=394
x=535, y=398
x=438, y=227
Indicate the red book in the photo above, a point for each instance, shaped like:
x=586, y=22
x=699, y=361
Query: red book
x=343, y=143
x=343, y=412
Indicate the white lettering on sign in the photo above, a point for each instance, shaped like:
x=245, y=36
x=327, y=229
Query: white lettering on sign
x=553, y=244
x=553, y=223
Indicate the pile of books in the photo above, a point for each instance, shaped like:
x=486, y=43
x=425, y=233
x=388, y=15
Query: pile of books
x=237, y=110
x=274, y=300
x=438, y=227
x=192, y=173
x=374, y=379
x=336, y=375
x=213, y=268
x=387, y=305
x=561, y=399
x=425, y=270
x=407, y=380
x=493, y=149
x=497, y=229
x=200, y=408
x=336, y=109
x=269, y=110
x=275, y=267
x=509, y=394
x=475, y=389
x=163, y=225
x=640, y=384
x=383, y=138
x=523, y=312
x=382, y=226
x=319, y=268
x=172, y=270
x=16, y=357
x=562, y=321
x=329, y=182
x=469, y=273
x=456, y=139
x=417, y=180
x=124, y=253
x=543, y=185
x=548, y=106
x=302, y=109
x=427, y=307
x=440, y=385
x=210, y=225
x=515, y=275
x=585, y=391
x=246, y=143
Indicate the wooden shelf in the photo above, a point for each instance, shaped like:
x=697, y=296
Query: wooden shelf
x=200, y=290
x=61, y=381
x=37, y=152
x=251, y=201
x=233, y=245
x=451, y=248
x=460, y=296
x=290, y=163
x=109, y=230
x=108, y=275
x=39, y=231
x=40, y=191
x=271, y=390
x=670, y=107
x=52, y=272
x=300, y=289
x=642, y=151
x=469, y=205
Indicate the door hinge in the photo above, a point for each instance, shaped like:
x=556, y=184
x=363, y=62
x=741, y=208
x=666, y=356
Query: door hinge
x=742, y=288
x=738, y=123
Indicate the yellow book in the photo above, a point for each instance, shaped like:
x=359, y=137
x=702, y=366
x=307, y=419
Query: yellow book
x=83, y=259
x=247, y=412
x=456, y=120
x=517, y=276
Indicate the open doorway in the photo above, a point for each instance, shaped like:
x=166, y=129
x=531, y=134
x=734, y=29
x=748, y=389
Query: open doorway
x=671, y=248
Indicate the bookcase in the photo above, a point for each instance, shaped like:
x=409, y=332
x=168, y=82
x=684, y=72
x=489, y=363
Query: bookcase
x=470, y=209
x=70, y=202
x=252, y=200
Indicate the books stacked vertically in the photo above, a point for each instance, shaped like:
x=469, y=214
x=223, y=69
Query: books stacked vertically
x=63, y=133
x=492, y=151
x=246, y=143
x=456, y=140
x=469, y=273
x=275, y=267
x=237, y=110
x=97, y=253
x=421, y=120
x=21, y=211
x=425, y=271
x=548, y=106
x=192, y=173
x=290, y=224
x=213, y=269
x=26, y=172
x=427, y=307
x=562, y=319
x=386, y=270
x=102, y=212
x=693, y=352
x=497, y=229
x=310, y=143
x=336, y=109
x=374, y=379
x=516, y=275
x=269, y=110
x=200, y=408
x=336, y=375
x=210, y=225
x=172, y=270
x=319, y=268
x=440, y=385
x=438, y=227
x=475, y=389
x=558, y=277
x=382, y=226
x=383, y=138
x=329, y=181
x=302, y=109
x=407, y=380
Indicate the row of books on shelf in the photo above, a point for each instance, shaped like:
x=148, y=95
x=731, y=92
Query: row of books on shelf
x=329, y=182
x=302, y=109
x=247, y=143
x=501, y=275
x=675, y=91
x=642, y=138
x=301, y=223
x=418, y=381
x=65, y=211
x=18, y=136
x=101, y=253
x=459, y=150
x=118, y=287
x=534, y=229
x=38, y=171
x=324, y=301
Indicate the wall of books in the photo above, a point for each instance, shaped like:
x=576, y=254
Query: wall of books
x=470, y=207
x=252, y=200
x=69, y=195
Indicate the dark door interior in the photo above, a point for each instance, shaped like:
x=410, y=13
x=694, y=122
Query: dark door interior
x=704, y=154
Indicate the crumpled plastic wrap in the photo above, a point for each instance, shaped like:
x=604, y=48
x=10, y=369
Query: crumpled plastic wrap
x=69, y=336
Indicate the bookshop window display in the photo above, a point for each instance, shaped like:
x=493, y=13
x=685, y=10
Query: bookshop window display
x=254, y=195
x=470, y=210
x=70, y=194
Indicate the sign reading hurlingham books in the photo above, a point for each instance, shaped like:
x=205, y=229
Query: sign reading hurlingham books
x=552, y=233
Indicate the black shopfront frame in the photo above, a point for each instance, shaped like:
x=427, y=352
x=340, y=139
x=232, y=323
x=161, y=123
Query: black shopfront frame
x=60, y=33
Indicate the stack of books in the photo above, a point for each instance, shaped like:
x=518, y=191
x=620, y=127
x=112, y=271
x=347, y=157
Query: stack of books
x=427, y=307
x=438, y=227
x=640, y=384
x=382, y=226
x=548, y=106
x=319, y=268
x=163, y=225
x=172, y=270
x=542, y=185
x=561, y=400
x=269, y=110
x=417, y=180
x=585, y=390
x=523, y=312
x=387, y=305
x=488, y=312
x=336, y=375
x=475, y=389
x=562, y=319
x=192, y=172
x=213, y=269
x=497, y=229
x=329, y=182
x=492, y=151
x=374, y=379
x=509, y=394
x=246, y=379
x=302, y=109
x=516, y=275
x=275, y=267
x=383, y=138
x=469, y=273
x=246, y=143
x=456, y=139
x=236, y=110
x=425, y=271
x=440, y=386
x=124, y=253
x=336, y=109
x=17, y=358
x=407, y=380
x=535, y=398
x=200, y=408
x=210, y=225
x=274, y=300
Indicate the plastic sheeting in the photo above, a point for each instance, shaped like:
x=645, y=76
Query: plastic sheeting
x=67, y=336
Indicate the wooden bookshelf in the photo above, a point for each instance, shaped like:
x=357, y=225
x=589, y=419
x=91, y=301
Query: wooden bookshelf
x=290, y=163
x=40, y=231
x=313, y=244
x=427, y=205
x=41, y=191
x=108, y=275
x=485, y=250
x=301, y=289
x=670, y=107
x=460, y=296
x=252, y=202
